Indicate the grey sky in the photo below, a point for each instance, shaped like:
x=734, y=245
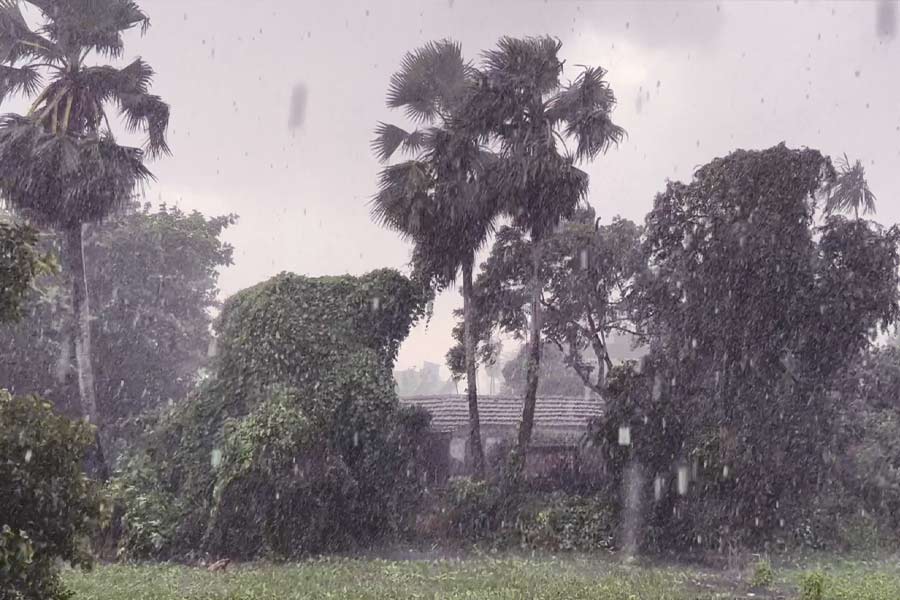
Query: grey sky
x=694, y=81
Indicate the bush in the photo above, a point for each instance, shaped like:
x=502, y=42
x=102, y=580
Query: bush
x=475, y=509
x=763, y=575
x=49, y=507
x=486, y=511
x=563, y=522
x=812, y=586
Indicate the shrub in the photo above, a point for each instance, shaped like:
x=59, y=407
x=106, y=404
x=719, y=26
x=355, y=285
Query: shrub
x=475, y=510
x=563, y=522
x=49, y=507
x=763, y=574
x=812, y=586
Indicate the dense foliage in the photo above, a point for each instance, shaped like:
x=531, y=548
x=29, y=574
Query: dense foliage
x=49, y=505
x=20, y=262
x=753, y=310
x=153, y=278
x=296, y=443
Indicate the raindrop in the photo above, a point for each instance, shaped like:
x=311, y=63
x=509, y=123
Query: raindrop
x=584, y=259
x=376, y=303
x=624, y=435
x=682, y=480
x=215, y=458
x=886, y=19
x=658, y=486
x=28, y=455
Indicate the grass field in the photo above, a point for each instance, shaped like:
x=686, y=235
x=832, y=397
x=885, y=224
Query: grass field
x=478, y=578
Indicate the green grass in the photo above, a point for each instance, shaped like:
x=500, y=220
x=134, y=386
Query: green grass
x=473, y=578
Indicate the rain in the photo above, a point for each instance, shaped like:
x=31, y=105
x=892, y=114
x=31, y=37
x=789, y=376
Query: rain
x=449, y=300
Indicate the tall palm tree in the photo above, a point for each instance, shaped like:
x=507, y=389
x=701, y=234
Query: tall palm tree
x=438, y=198
x=520, y=104
x=59, y=164
x=850, y=190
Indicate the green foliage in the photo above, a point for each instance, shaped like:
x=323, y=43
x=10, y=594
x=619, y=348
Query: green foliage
x=153, y=276
x=475, y=510
x=49, y=506
x=763, y=574
x=296, y=444
x=812, y=586
x=20, y=263
x=562, y=522
x=753, y=313
x=588, y=272
x=493, y=512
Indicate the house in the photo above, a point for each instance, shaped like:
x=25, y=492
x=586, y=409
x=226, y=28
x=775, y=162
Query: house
x=559, y=426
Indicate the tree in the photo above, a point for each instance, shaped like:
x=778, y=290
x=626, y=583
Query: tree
x=520, y=104
x=752, y=312
x=588, y=272
x=60, y=164
x=850, y=190
x=153, y=274
x=556, y=377
x=437, y=199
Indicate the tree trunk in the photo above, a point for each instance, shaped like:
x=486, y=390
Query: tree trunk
x=534, y=362
x=471, y=375
x=81, y=334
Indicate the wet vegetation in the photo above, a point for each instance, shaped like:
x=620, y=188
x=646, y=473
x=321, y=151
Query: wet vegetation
x=192, y=447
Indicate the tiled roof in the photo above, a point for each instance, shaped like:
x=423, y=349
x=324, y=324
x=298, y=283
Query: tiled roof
x=449, y=413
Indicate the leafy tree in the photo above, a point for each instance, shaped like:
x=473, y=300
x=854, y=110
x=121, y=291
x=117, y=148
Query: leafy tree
x=752, y=312
x=59, y=163
x=850, y=190
x=437, y=198
x=49, y=505
x=520, y=104
x=153, y=274
x=588, y=272
x=556, y=377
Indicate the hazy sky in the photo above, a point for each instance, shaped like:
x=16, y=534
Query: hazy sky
x=694, y=80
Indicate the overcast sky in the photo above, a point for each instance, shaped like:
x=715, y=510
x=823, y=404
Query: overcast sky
x=694, y=80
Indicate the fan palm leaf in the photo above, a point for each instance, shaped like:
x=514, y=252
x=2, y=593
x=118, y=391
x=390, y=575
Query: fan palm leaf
x=850, y=190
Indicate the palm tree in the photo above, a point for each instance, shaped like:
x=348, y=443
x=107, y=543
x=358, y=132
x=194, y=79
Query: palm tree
x=438, y=198
x=850, y=190
x=59, y=164
x=521, y=106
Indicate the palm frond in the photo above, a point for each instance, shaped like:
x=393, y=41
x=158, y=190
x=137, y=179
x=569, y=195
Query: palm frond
x=91, y=24
x=388, y=138
x=584, y=106
x=850, y=190
x=128, y=87
x=431, y=80
x=403, y=200
x=17, y=41
x=61, y=180
x=14, y=80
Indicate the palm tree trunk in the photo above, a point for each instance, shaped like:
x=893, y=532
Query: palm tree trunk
x=471, y=376
x=81, y=333
x=526, y=427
